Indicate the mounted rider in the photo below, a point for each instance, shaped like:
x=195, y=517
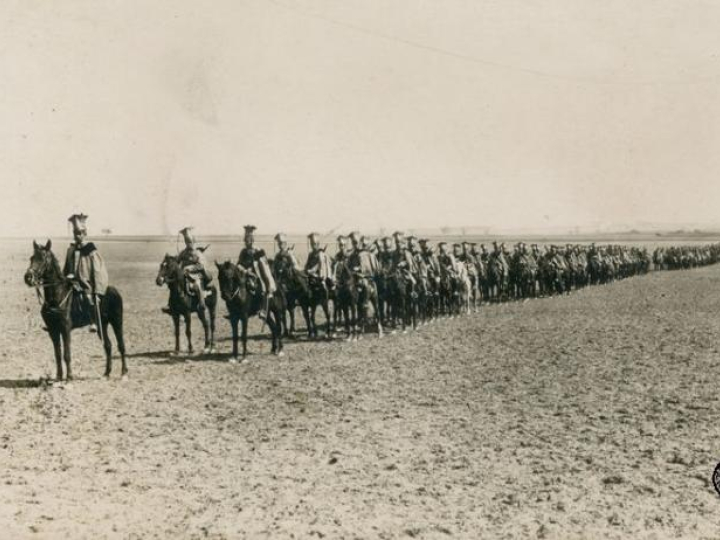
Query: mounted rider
x=192, y=261
x=360, y=259
x=401, y=255
x=318, y=263
x=85, y=267
x=385, y=254
x=255, y=262
x=447, y=260
x=284, y=257
x=498, y=254
x=402, y=259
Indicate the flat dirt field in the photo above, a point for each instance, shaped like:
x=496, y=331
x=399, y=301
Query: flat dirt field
x=589, y=416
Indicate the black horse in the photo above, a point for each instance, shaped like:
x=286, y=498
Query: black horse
x=355, y=293
x=242, y=304
x=295, y=286
x=59, y=296
x=184, y=304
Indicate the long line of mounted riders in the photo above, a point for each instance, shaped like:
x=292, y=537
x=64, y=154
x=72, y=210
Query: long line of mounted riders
x=393, y=282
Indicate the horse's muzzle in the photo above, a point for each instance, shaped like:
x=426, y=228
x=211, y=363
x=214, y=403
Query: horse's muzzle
x=29, y=279
x=159, y=281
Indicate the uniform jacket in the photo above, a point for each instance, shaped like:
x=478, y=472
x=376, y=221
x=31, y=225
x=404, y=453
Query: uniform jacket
x=88, y=267
x=318, y=263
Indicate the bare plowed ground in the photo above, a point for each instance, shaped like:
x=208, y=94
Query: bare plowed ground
x=593, y=415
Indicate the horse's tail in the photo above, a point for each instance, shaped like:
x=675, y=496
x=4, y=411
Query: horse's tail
x=114, y=301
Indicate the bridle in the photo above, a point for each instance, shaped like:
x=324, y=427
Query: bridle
x=237, y=289
x=39, y=284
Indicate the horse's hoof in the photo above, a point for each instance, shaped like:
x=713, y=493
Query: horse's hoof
x=233, y=360
x=280, y=354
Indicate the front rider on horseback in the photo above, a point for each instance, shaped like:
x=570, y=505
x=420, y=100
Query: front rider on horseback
x=255, y=262
x=85, y=267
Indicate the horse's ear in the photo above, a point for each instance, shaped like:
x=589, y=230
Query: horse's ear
x=48, y=244
x=36, y=246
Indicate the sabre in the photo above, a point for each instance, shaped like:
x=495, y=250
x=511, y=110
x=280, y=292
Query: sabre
x=99, y=320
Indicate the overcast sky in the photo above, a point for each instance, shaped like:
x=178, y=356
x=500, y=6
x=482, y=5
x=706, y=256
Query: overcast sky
x=301, y=115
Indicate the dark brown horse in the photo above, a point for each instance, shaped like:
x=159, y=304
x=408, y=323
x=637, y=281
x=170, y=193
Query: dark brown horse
x=58, y=296
x=183, y=304
x=243, y=304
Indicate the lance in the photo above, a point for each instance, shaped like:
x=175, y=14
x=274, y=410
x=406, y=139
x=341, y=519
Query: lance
x=96, y=298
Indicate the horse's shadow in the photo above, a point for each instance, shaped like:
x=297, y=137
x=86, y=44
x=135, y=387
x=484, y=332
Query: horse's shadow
x=169, y=358
x=21, y=383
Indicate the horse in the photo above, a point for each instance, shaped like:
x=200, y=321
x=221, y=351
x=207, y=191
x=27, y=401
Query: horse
x=354, y=293
x=243, y=302
x=58, y=299
x=182, y=303
x=497, y=279
x=403, y=297
x=320, y=296
x=295, y=288
x=304, y=290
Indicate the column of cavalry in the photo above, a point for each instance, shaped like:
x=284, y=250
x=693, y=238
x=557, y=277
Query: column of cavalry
x=393, y=282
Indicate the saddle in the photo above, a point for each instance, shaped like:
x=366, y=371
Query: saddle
x=81, y=309
x=194, y=278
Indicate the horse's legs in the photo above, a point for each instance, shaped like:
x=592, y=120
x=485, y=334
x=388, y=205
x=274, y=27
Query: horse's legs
x=244, y=336
x=117, y=327
x=188, y=332
x=308, y=321
x=234, y=327
x=202, y=315
x=55, y=336
x=278, y=333
x=176, y=323
x=67, y=354
x=378, y=317
x=326, y=310
x=107, y=345
x=291, y=311
x=212, y=311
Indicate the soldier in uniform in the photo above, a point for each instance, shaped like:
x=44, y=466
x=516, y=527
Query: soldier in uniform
x=401, y=255
x=362, y=259
x=318, y=262
x=255, y=262
x=447, y=260
x=285, y=257
x=86, y=268
x=385, y=254
x=192, y=261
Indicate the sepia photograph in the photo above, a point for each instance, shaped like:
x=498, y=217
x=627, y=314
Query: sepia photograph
x=360, y=269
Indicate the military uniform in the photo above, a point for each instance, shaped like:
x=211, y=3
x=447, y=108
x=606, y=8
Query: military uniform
x=192, y=260
x=362, y=259
x=86, y=267
x=284, y=258
x=318, y=262
x=255, y=262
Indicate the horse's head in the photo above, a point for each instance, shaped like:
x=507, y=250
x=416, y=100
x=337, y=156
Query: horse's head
x=42, y=263
x=169, y=270
x=232, y=280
